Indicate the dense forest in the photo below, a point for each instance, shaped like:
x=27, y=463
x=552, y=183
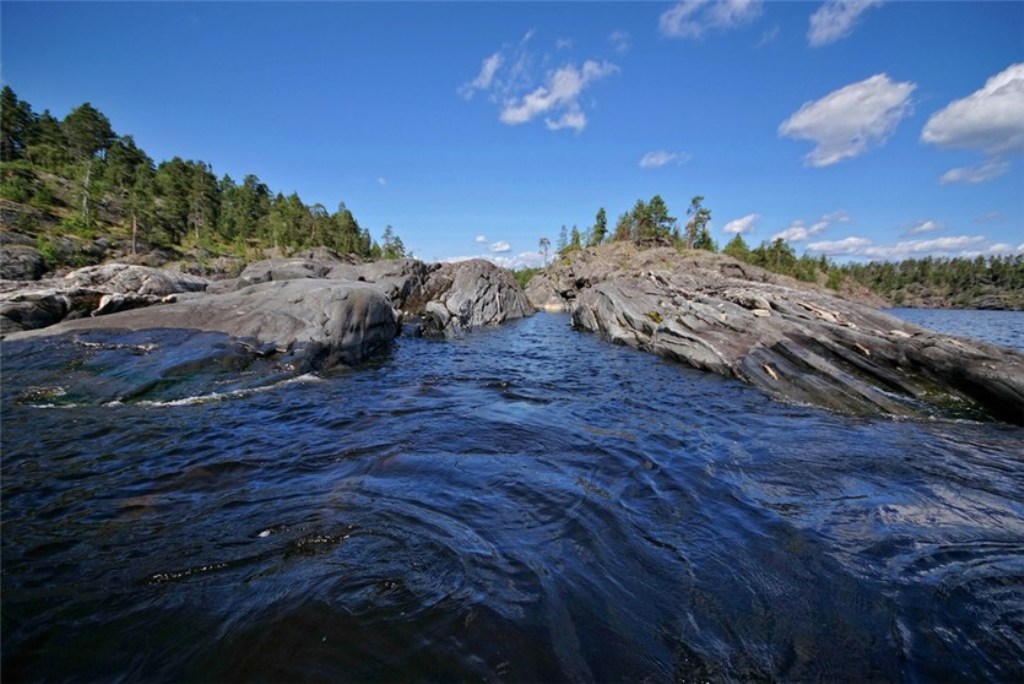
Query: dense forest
x=92, y=179
x=995, y=281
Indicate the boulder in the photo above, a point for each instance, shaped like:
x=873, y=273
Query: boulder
x=398, y=279
x=468, y=294
x=131, y=279
x=39, y=309
x=309, y=324
x=796, y=341
x=20, y=262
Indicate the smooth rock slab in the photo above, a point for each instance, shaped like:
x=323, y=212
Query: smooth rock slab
x=308, y=324
x=796, y=341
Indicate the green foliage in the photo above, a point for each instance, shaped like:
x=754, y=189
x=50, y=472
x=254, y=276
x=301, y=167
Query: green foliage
x=600, y=229
x=525, y=275
x=697, y=234
x=737, y=248
x=957, y=280
x=174, y=202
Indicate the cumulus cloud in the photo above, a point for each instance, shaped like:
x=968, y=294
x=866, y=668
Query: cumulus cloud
x=743, y=225
x=501, y=247
x=482, y=239
x=836, y=19
x=559, y=95
x=521, y=260
x=798, y=231
x=693, y=18
x=847, y=122
x=509, y=79
x=863, y=247
x=658, y=158
x=991, y=119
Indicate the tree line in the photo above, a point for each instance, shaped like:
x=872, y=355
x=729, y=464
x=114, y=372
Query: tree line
x=956, y=279
x=170, y=203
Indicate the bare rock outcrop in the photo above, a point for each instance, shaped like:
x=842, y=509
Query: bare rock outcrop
x=468, y=294
x=311, y=324
x=798, y=342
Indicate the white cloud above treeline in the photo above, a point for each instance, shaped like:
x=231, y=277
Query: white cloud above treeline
x=836, y=19
x=991, y=119
x=851, y=120
x=799, y=231
x=741, y=226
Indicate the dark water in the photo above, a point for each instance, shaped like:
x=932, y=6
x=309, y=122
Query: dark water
x=525, y=504
x=999, y=327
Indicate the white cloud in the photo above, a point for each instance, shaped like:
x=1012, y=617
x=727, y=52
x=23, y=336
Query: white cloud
x=798, y=231
x=692, y=18
x=559, y=95
x=563, y=44
x=847, y=122
x=921, y=227
x=620, y=40
x=521, y=260
x=984, y=172
x=658, y=158
x=836, y=19
x=863, y=247
x=742, y=225
x=501, y=247
x=482, y=239
x=990, y=119
x=485, y=78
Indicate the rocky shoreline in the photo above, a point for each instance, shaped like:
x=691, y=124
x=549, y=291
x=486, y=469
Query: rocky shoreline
x=797, y=342
x=291, y=315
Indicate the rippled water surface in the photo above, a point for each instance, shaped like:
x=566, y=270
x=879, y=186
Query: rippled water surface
x=524, y=504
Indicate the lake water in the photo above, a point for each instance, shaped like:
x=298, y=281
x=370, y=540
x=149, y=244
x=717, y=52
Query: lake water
x=524, y=504
x=999, y=327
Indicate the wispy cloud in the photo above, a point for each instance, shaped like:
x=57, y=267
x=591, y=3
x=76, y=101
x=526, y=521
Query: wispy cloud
x=659, y=158
x=741, y=226
x=836, y=19
x=559, y=97
x=849, y=121
x=959, y=245
x=693, y=18
x=501, y=247
x=621, y=41
x=990, y=119
x=382, y=181
x=508, y=78
x=481, y=239
x=922, y=227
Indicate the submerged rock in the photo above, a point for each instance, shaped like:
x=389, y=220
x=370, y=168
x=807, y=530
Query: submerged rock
x=798, y=342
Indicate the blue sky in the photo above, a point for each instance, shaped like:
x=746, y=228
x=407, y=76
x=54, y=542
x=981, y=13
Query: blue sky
x=859, y=129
